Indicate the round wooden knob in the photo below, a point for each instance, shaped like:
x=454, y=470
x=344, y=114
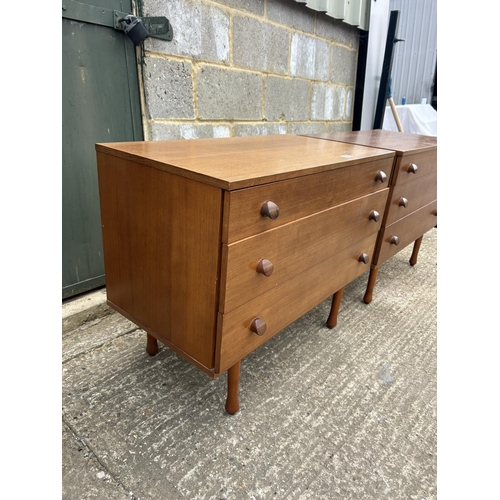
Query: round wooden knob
x=258, y=326
x=381, y=176
x=270, y=209
x=374, y=215
x=412, y=168
x=403, y=202
x=435, y=212
x=364, y=258
x=265, y=267
x=394, y=240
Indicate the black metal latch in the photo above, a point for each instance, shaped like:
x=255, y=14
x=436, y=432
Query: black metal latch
x=136, y=28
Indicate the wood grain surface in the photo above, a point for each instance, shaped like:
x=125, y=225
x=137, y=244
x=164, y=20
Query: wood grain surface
x=161, y=238
x=425, y=161
x=238, y=162
x=299, y=197
x=420, y=192
x=294, y=248
x=407, y=229
x=279, y=306
x=387, y=139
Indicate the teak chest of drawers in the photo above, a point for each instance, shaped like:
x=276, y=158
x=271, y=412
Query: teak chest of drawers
x=212, y=246
x=412, y=203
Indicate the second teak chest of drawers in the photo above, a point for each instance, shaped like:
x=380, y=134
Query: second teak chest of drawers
x=213, y=246
x=412, y=203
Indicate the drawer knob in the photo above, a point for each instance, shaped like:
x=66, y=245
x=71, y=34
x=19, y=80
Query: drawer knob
x=412, y=168
x=403, y=202
x=270, y=209
x=374, y=215
x=381, y=176
x=435, y=212
x=394, y=240
x=258, y=326
x=364, y=258
x=265, y=267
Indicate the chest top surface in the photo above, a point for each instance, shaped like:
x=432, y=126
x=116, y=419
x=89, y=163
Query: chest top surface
x=386, y=139
x=240, y=162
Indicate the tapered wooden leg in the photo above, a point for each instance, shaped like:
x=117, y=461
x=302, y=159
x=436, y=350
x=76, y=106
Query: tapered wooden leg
x=152, y=345
x=334, y=311
x=233, y=383
x=371, y=284
x=416, y=248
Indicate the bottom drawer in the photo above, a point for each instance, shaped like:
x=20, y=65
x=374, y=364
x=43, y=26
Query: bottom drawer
x=287, y=302
x=405, y=231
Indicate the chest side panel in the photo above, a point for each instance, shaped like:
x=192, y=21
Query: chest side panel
x=161, y=238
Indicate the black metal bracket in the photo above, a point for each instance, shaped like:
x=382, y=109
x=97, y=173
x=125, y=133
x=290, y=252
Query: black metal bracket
x=157, y=27
x=386, y=69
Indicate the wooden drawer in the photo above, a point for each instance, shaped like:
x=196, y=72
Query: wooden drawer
x=285, y=303
x=426, y=163
x=407, y=230
x=294, y=247
x=410, y=196
x=299, y=197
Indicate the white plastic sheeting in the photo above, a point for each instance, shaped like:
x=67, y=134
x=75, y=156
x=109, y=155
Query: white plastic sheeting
x=414, y=118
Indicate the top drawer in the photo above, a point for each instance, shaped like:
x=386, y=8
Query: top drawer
x=299, y=197
x=415, y=165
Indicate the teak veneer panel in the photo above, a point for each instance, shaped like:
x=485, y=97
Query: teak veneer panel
x=239, y=162
x=292, y=299
x=384, y=139
x=407, y=229
x=409, y=148
x=425, y=161
x=161, y=239
x=420, y=192
x=294, y=247
x=299, y=197
x=418, y=186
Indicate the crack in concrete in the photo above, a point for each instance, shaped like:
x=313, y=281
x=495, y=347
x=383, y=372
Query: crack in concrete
x=104, y=467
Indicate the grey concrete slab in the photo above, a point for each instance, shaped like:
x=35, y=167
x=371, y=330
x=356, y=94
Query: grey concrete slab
x=84, y=476
x=84, y=309
x=96, y=329
x=348, y=413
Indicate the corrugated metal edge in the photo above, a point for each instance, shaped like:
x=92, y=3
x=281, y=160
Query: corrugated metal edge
x=414, y=60
x=352, y=12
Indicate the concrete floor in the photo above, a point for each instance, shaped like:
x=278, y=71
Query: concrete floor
x=348, y=413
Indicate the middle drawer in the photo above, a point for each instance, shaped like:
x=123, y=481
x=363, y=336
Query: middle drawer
x=410, y=196
x=257, y=264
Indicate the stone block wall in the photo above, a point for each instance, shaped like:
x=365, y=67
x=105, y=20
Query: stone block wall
x=247, y=67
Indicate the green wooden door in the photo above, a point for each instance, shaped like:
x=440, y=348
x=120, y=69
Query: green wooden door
x=100, y=103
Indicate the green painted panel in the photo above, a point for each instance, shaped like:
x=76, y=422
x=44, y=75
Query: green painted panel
x=100, y=103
